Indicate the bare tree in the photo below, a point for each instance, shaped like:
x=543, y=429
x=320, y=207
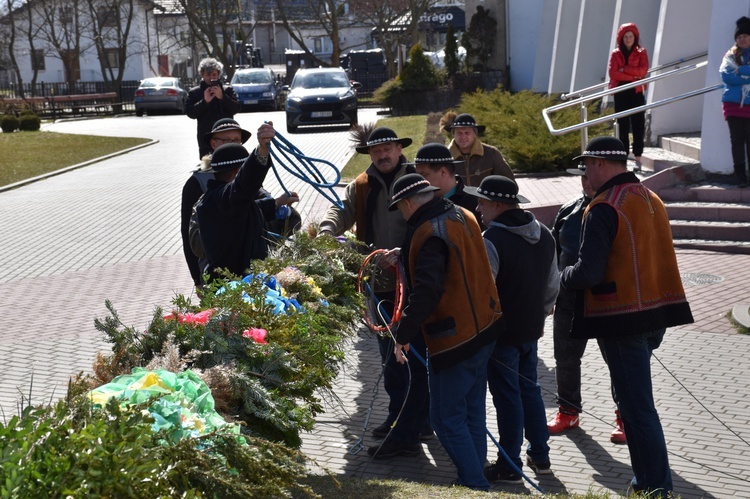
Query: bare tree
x=61, y=25
x=110, y=25
x=8, y=49
x=217, y=24
x=383, y=14
x=330, y=16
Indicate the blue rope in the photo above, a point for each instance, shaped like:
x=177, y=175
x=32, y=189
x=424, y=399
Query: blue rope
x=512, y=464
x=304, y=168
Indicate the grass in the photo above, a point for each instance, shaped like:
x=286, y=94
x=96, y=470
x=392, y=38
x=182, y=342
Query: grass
x=30, y=154
x=328, y=486
x=404, y=126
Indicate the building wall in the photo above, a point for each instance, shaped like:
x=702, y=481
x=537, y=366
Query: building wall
x=682, y=32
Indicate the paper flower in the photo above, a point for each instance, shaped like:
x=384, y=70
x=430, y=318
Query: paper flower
x=256, y=334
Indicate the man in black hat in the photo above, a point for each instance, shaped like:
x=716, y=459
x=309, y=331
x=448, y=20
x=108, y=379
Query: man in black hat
x=480, y=159
x=527, y=282
x=365, y=203
x=210, y=101
x=224, y=131
x=453, y=304
x=629, y=291
x=435, y=163
x=231, y=223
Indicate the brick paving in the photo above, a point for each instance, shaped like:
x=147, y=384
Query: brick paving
x=110, y=231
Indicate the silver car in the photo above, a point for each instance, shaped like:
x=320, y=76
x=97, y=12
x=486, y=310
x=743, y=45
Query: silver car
x=160, y=94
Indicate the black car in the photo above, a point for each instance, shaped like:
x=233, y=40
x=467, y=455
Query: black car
x=256, y=88
x=321, y=96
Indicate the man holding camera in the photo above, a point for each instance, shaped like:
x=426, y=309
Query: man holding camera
x=210, y=101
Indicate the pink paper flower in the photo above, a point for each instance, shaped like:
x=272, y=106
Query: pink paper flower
x=191, y=318
x=257, y=334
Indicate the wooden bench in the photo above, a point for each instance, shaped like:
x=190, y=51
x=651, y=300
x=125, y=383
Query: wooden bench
x=67, y=105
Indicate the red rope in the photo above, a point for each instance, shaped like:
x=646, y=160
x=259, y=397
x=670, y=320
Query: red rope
x=366, y=289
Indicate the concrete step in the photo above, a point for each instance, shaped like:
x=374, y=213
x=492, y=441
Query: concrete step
x=685, y=144
x=719, y=212
x=712, y=231
x=735, y=247
x=706, y=194
x=657, y=159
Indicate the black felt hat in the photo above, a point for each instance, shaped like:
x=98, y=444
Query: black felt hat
x=465, y=119
x=605, y=147
x=225, y=124
x=434, y=154
x=497, y=188
x=227, y=157
x=743, y=27
x=381, y=135
x=408, y=186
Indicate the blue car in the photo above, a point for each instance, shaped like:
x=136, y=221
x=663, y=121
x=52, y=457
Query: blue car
x=256, y=88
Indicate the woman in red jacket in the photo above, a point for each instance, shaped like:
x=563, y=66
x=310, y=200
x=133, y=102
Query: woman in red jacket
x=629, y=63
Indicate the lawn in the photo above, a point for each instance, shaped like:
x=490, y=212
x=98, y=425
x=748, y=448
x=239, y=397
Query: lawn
x=29, y=154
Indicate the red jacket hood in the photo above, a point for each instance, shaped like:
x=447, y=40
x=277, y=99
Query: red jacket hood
x=624, y=29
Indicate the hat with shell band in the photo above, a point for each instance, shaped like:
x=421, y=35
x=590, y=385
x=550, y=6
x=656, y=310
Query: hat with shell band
x=224, y=125
x=465, y=120
x=227, y=157
x=605, y=147
x=408, y=186
x=382, y=135
x=497, y=188
x=434, y=154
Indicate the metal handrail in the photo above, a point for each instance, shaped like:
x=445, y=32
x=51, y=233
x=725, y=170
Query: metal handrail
x=584, y=125
x=578, y=93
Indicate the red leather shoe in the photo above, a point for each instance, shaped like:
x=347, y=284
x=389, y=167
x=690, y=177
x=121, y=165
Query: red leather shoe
x=563, y=421
x=618, y=434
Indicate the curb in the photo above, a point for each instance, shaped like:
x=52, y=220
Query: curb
x=31, y=180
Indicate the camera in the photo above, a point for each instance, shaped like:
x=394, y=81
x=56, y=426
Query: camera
x=215, y=83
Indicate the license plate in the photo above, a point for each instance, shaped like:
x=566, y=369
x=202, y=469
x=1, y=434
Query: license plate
x=249, y=101
x=321, y=114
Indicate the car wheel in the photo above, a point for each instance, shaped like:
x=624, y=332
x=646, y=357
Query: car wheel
x=354, y=118
x=291, y=128
x=139, y=112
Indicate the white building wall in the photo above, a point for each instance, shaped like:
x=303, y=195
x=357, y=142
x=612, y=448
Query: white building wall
x=716, y=156
x=593, y=43
x=682, y=32
x=524, y=32
x=566, y=13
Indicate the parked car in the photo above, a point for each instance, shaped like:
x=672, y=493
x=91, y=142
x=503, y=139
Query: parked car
x=160, y=94
x=321, y=96
x=256, y=88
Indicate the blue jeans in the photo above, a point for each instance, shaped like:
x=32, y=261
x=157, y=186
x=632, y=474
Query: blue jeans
x=458, y=415
x=629, y=362
x=518, y=403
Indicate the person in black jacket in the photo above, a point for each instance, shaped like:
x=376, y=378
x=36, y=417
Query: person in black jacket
x=231, y=223
x=279, y=216
x=527, y=282
x=436, y=164
x=210, y=101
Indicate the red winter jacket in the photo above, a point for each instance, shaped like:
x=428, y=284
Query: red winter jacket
x=636, y=65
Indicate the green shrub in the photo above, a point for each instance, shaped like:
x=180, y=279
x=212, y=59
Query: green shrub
x=419, y=74
x=9, y=123
x=29, y=122
x=73, y=450
x=515, y=125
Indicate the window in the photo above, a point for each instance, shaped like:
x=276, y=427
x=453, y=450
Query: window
x=107, y=17
x=113, y=58
x=37, y=60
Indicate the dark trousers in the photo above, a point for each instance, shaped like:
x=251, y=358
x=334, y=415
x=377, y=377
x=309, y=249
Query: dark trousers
x=568, y=353
x=628, y=99
x=739, y=136
x=629, y=362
